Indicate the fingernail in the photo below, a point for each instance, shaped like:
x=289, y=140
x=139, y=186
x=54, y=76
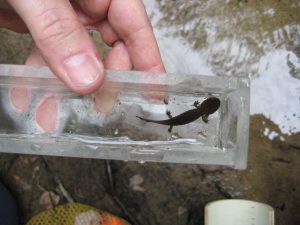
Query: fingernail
x=83, y=69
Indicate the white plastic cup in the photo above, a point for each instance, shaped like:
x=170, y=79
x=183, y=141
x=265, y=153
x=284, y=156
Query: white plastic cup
x=238, y=212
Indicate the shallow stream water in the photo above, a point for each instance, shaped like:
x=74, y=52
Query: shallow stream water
x=258, y=39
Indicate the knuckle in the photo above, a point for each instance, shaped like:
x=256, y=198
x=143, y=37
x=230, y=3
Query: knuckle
x=98, y=8
x=55, y=28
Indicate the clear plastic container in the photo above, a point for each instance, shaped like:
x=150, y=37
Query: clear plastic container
x=105, y=124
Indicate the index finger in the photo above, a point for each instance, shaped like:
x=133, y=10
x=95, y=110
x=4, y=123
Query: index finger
x=130, y=21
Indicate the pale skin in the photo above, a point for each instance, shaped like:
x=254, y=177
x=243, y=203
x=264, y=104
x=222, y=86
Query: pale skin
x=60, y=32
x=58, y=28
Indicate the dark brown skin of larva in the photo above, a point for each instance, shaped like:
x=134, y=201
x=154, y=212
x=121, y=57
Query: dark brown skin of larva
x=207, y=107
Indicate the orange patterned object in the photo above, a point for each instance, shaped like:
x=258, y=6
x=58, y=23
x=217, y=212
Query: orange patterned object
x=76, y=214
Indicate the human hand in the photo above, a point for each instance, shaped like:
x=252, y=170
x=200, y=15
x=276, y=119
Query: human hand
x=59, y=31
x=58, y=28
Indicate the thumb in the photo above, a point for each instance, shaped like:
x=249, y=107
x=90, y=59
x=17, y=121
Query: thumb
x=63, y=42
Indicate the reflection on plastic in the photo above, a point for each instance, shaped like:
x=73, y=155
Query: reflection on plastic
x=108, y=121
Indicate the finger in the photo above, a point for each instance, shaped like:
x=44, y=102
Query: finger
x=20, y=97
x=47, y=110
x=108, y=35
x=96, y=9
x=130, y=21
x=82, y=16
x=63, y=42
x=47, y=113
x=35, y=58
x=118, y=58
x=10, y=20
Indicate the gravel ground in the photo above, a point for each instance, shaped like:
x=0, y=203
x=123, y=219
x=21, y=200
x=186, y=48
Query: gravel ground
x=153, y=193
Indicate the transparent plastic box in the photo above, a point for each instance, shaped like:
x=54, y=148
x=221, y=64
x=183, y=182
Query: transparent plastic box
x=105, y=124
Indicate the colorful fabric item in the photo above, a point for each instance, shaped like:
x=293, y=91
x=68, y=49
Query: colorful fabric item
x=75, y=214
